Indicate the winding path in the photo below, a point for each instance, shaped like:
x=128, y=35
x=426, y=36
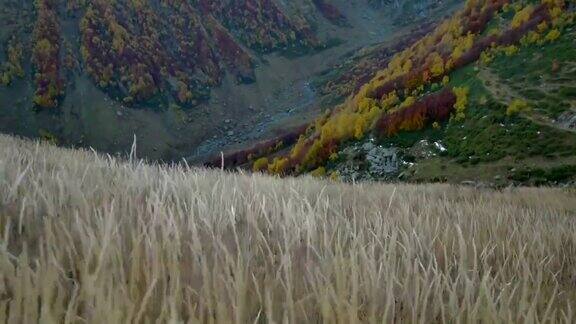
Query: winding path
x=503, y=93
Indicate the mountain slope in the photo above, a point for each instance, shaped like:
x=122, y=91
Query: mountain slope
x=487, y=96
x=91, y=238
x=94, y=73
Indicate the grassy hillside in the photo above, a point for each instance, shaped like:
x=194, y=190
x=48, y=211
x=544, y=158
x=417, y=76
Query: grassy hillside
x=89, y=238
x=486, y=96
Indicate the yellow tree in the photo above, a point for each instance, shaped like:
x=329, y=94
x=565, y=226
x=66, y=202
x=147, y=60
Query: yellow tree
x=436, y=64
x=461, y=102
x=522, y=16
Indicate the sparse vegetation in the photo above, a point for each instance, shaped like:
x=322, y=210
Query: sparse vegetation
x=12, y=68
x=517, y=106
x=91, y=238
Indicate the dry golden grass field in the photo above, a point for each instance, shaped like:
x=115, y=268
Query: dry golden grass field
x=86, y=238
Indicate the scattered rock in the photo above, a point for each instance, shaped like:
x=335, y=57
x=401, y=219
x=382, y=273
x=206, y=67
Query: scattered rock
x=423, y=150
x=440, y=147
x=368, y=146
x=567, y=120
x=367, y=162
x=382, y=160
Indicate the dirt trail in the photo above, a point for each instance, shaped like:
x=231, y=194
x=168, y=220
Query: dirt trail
x=499, y=90
x=503, y=93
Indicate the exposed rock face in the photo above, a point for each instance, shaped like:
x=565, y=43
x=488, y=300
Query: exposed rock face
x=368, y=161
x=567, y=120
x=422, y=150
x=382, y=161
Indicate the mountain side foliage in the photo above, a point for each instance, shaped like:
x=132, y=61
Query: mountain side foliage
x=138, y=51
x=416, y=89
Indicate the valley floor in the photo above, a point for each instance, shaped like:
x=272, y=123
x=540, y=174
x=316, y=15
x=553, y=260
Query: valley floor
x=88, y=238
